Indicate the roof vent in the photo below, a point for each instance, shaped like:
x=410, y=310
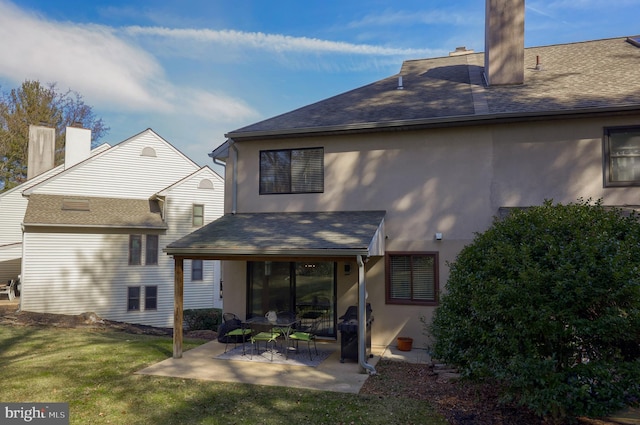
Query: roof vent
x=69, y=204
x=635, y=40
x=400, y=86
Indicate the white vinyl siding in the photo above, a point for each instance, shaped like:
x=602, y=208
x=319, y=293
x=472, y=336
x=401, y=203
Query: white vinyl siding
x=72, y=271
x=178, y=209
x=121, y=171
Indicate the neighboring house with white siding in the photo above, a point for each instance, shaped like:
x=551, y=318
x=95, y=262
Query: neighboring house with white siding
x=12, y=208
x=94, y=234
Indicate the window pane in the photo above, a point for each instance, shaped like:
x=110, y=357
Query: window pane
x=133, y=298
x=198, y=215
x=135, y=249
x=400, y=276
x=412, y=278
x=625, y=155
x=275, y=169
x=307, y=170
x=150, y=297
x=196, y=269
x=423, y=279
x=151, y=257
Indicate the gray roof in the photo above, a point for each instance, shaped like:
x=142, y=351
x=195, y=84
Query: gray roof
x=85, y=211
x=574, y=78
x=285, y=234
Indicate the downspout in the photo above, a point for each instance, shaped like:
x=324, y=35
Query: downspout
x=362, y=320
x=234, y=179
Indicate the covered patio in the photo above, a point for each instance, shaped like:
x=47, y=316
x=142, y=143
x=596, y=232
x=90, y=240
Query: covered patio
x=330, y=375
x=284, y=236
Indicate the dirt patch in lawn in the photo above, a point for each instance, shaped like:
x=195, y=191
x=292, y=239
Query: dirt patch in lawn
x=9, y=316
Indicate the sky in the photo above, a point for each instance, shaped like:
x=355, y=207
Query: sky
x=193, y=70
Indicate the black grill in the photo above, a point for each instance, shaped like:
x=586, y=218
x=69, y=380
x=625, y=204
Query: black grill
x=349, y=333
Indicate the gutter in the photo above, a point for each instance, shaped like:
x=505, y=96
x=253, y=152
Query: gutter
x=438, y=122
x=362, y=320
x=276, y=252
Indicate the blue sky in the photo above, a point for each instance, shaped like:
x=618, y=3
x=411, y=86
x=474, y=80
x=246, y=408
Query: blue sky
x=193, y=70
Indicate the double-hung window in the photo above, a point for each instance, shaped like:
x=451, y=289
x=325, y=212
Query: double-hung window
x=197, y=215
x=196, y=270
x=151, y=250
x=412, y=278
x=133, y=298
x=135, y=250
x=150, y=297
x=292, y=171
x=622, y=156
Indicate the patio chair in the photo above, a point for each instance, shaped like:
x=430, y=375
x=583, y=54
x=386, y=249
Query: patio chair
x=307, y=335
x=266, y=336
x=234, y=330
x=9, y=289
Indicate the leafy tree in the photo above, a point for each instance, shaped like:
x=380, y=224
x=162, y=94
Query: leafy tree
x=33, y=103
x=547, y=301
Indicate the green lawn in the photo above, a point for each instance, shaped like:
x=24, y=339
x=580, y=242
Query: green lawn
x=94, y=372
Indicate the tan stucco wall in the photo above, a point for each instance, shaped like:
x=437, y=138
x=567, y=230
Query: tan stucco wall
x=451, y=181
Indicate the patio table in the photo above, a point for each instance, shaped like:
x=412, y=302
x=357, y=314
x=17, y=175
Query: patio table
x=284, y=324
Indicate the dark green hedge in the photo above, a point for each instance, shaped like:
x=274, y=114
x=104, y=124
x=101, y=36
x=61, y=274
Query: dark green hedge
x=202, y=319
x=547, y=301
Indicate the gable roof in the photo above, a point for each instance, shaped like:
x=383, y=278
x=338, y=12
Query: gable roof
x=107, y=152
x=84, y=211
x=588, y=77
x=286, y=234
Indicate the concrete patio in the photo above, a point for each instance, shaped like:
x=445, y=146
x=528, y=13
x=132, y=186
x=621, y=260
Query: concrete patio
x=330, y=375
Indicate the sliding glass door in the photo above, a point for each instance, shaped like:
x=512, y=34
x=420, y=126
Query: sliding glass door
x=307, y=288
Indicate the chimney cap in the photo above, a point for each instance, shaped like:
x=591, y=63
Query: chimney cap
x=461, y=51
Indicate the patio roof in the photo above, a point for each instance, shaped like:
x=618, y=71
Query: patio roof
x=332, y=234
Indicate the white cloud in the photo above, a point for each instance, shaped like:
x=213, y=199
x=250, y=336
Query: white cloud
x=92, y=60
x=271, y=42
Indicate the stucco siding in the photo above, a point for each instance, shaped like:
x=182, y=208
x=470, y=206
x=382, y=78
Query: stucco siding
x=450, y=180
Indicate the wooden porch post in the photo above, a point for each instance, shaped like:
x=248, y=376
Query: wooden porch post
x=178, y=306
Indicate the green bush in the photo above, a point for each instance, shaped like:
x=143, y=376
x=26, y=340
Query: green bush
x=202, y=319
x=547, y=301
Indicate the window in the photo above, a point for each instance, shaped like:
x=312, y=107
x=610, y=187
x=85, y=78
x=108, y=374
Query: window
x=135, y=250
x=150, y=297
x=151, y=255
x=412, y=278
x=205, y=184
x=292, y=171
x=133, y=298
x=198, y=215
x=196, y=270
x=622, y=156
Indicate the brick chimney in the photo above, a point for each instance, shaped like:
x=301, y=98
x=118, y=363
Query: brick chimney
x=42, y=144
x=77, y=145
x=504, y=42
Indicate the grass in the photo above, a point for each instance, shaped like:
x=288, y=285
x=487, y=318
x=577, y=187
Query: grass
x=94, y=371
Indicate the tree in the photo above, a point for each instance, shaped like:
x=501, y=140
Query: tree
x=33, y=103
x=547, y=301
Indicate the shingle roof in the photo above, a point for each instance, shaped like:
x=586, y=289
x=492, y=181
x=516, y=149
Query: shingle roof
x=83, y=211
x=577, y=76
x=337, y=233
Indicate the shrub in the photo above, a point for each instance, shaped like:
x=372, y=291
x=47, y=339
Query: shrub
x=548, y=302
x=202, y=319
